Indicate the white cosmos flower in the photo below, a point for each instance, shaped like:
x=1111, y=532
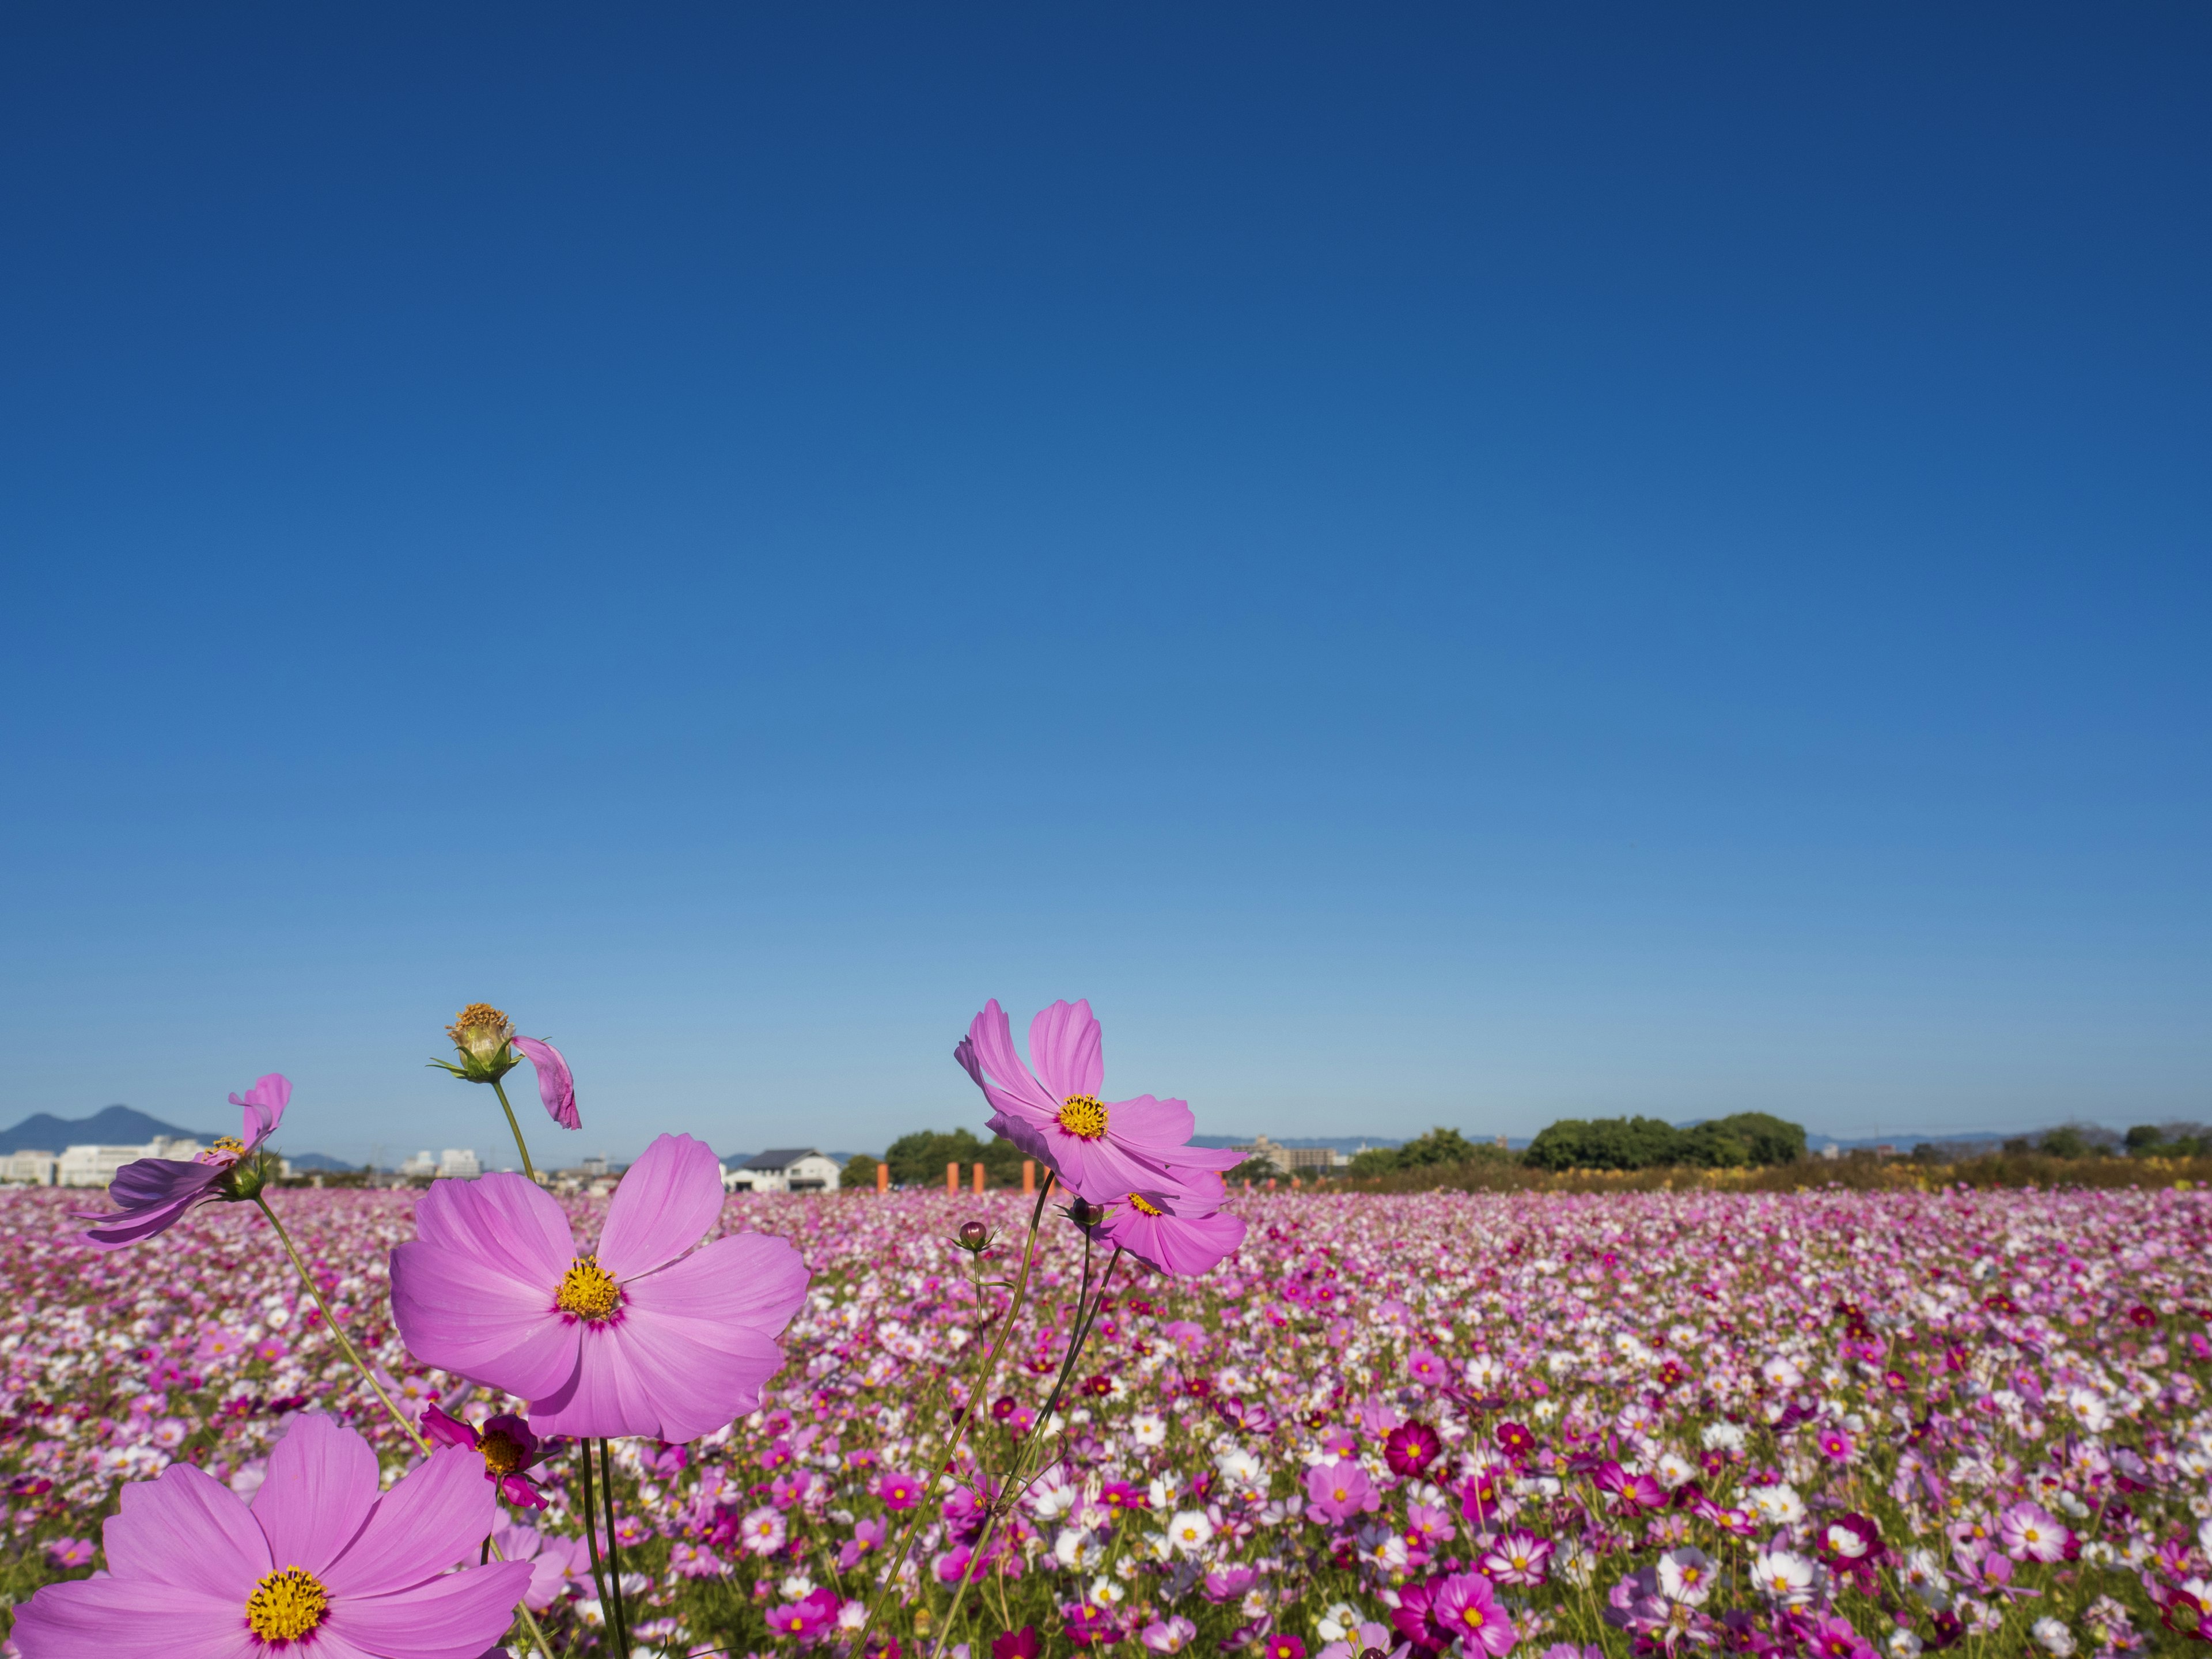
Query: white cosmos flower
x=1337, y=1621
x=1189, y=1532
x=1784, y=1577
x=1148, y=1430
x=1778, y=1506
x=1685, y=1574
x=2052, y=1636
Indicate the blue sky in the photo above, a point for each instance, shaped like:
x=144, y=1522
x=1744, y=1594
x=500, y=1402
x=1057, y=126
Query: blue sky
x=1440, y=564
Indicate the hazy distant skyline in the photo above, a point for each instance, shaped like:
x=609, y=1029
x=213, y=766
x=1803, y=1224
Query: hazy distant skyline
x=1454, y=565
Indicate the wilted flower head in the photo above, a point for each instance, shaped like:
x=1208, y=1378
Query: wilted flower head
x=485, y=1040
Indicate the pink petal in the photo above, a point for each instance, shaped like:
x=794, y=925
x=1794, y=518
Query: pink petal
x=604, y=1395
x=1154, y=1125
x=132, y=1618
x=668, y=1200
x=995, y=1048
x=264, y=1103
x=457, y=1312
x=321, y=1487
x=454, y=1617
x=189, y=1531
x=440, y=1511
x=702, y=1332
x=1064, y=1047
x=505, y=1221
x=556, y=1085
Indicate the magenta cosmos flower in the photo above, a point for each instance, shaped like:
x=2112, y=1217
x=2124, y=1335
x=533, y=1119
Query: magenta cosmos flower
x=508, y=1446
x=322, y=1566
x=1103, y=1150
x=1340, y=1490
x=1465, y=1606
x=640, y=1335
x=152, y=1194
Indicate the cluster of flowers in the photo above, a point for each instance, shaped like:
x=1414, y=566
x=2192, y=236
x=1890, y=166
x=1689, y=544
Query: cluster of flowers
x=1824, y=1423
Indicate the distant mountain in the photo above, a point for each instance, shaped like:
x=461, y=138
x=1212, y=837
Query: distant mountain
x=113, y=1126
x=323, y=1161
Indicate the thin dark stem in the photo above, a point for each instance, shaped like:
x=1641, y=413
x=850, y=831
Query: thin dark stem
x=499, y=1089
x=614, y=1549
x=592, y=1534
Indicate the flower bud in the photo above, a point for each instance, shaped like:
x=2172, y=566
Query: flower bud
x=482, y=1036
x=974, y=1236
x=245, y=1179
x=1083, y=1213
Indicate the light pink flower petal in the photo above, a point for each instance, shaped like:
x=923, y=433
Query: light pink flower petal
x=320, y=1485
x=443, y=1509
x=603, y=1396
x=1106, y=1174
x=505, y=1221
x=455, y=1617
x=702, y=1333
x=556, y=1085
x=1065, y=1051
x=667, y=1202
x=995, y=1048
x=455, y=1312
x=1157, y=1125
x=264, y=1103
x=189, y=1531
x=132, y=1618
x=1176, y=1244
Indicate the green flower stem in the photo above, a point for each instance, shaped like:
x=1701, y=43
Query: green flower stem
x=1004, y=1501
x=499, y=1089
x=960, y=1424
x=614, y=1549
x=407, y=1428
x=592, y=1534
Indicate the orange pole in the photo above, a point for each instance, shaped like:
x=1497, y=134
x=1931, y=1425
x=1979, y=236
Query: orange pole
x=979, y=1177
x=1296, y=1184
x=952, y=1179
x=1271, y=1184
x=1029, y=1175
x=883, y=1177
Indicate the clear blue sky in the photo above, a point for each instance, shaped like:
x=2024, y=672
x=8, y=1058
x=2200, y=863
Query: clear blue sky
x=1443, y=564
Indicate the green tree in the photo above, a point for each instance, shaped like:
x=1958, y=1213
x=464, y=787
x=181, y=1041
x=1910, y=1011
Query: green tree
x=1767, y=1139
x=1713, y=1145
x=2065, y=1141
x=919, y=1159
x=858, y=1171
x=2145, y=1140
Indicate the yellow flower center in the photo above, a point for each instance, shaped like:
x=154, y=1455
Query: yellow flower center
x=480, y=1030
x=588, y=1291
x=1144, y=1208
x=230, y=1143
x=1083, y=1115
x=286, y=1606
x=1473, y=1616
x=500, y=1454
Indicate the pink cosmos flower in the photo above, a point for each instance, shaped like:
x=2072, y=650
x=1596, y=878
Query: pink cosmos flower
x=2028, y=1530
x=641, y=1335
x=1426, y=1367
x=1103, y=1150
x=557, y=1564
x=1340, y=1490
x=806, y=1620
x=1464, y=1605
x=1518, y=1558
x=507, y=1447
x=1180, y=1236
x=152, y=1194
x=323, y=1563
x=898, y=1491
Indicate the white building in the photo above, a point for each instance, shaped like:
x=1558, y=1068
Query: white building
x=29, y=1169
x=94, y=1166
x=181, y=1149
x=421, y=1164
x=792, y=1170
x=459, y=1163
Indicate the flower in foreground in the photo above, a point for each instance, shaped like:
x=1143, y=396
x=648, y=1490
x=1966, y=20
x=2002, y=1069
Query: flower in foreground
x=488, y=1047
x=640, y=1335
x=1180, y=1236
x=322, y=1563
x=1103, y=1150
x=153, y=1193
x=507, y=1447
x=1465, y=1606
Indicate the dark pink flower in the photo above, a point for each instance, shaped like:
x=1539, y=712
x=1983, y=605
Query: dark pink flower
x=642, y=1335
x=506, y=1445
x=152, y=1194
x=323, y=1561
x=808, y=1619
x=1410, y=1448
x=897, y=1491
x=1102, y=1150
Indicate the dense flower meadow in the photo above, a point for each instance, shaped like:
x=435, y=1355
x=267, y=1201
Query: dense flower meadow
x=1823, y=1423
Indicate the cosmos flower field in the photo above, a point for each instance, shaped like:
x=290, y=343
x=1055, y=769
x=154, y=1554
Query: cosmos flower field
x=1822, y=1423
